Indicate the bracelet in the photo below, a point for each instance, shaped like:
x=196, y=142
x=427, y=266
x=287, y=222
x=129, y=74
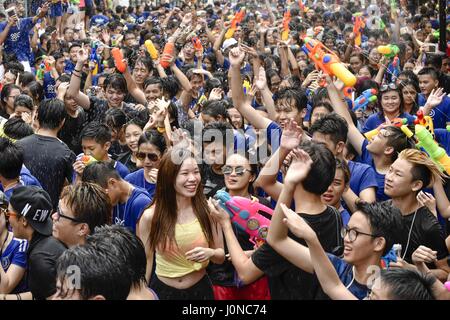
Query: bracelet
x=76, y=70
x=76, y=75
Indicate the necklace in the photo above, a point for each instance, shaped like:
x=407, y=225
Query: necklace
x=409, y=235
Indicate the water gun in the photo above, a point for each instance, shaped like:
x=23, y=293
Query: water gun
x=425, y=121
x=118, y=60
x=169, y=49
x=247, y=87
x=286, y=20
x=87, y=160
x=43, y=68
x=245, y=215
x=327, y=61
x=151, y=49
x=197, y=44
x=93, y=58
x=348, y=92
x=389, y=51
x=436, y=153
x=358, y=27
x=394, y=69
x=238, y=17
x=368, y=96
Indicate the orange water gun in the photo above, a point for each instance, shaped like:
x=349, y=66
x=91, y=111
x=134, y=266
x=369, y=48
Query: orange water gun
x=197, y=44
x=169, y=49
x=237, y=19
x=118, y=60
x=327, y=61
x=358, y=27
x=286, y=20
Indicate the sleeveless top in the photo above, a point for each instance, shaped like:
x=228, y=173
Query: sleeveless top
x=172, y=263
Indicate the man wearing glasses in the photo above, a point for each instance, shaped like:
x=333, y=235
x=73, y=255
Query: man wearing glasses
x=29, y=213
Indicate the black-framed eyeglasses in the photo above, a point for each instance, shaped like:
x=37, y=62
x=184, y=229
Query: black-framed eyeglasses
x=390, y=86
x=227, y=170
x=353, y=234
x=150, y=156
x=61, y=215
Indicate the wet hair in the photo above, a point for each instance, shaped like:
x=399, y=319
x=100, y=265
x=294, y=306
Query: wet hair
x=15, y=128
x=333, y=125
x=297, y=96
x=100, y=132
x=342, y=165
x=212, y=83
x=384, y=219
x=6, y=91
x=216, y=108
x=153, y=80
x=170, y=86
x=155, y=138
x=36, y=91
x=100, y=172
x=117, y=82
x=89, y=204
x=125, y=246
x=101, y=271
x=323, y=168
x=11, y=159
x=23, y=100
x=51, y=113
x=406, y=284
x=398, y=141
x=115, y=118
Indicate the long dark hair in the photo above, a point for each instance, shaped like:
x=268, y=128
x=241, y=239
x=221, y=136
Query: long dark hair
x=380, y=95
x=162, y=231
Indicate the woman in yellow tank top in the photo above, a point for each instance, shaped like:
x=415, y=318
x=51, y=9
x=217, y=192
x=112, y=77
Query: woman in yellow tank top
x=176, y=229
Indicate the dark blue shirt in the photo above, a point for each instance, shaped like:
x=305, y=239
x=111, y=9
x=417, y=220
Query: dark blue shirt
x=366, y=158
x=443, y=137
x=16, y=253
x=374, y=121
x=362, y=176
x=440, y=114
x=137, y=179
x=127, y=214
x=18, y=40
x=99, y=20
x=345, y=273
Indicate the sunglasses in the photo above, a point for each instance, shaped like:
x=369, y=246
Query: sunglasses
x=150, y=156
x=61, y=215
x=227, y=170
x=386, y=87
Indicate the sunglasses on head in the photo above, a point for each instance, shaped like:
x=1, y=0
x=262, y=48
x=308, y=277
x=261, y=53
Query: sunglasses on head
x=151, y=156
x=227, y=170
x=390, y=86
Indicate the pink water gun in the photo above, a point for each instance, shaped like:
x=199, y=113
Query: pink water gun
x=447, y=285
x=246, y=215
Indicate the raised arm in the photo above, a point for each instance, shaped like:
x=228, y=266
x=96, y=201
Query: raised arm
x=267, y=179
x=266, y=94
x=340, y=107
x=236, y=58
x=442, y=202
x=323, y=268
x=74, y=88
x=133, y=89
x=277, y=237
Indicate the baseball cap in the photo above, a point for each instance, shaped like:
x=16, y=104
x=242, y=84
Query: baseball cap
x=35, y=205
x=228, y=43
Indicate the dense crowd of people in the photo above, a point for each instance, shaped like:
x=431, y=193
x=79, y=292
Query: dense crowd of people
x=217, y=150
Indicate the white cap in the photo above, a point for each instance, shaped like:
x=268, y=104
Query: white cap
x=228, y=43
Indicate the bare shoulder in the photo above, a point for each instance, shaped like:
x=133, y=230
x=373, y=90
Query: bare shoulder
x=147, y=215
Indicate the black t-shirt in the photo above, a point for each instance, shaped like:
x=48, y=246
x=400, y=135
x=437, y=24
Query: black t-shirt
x=50, y=161
x=212, y=182
x=70, y=132
x=98, y=108
x=225, y=274
x=43, y=253
x=288, y=282
x=426, y=231
x=125, y=159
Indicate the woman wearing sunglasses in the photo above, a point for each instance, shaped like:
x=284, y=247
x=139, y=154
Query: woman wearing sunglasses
x=149, y=149
x=13, y=256
x=239, y=175
x=391, y=102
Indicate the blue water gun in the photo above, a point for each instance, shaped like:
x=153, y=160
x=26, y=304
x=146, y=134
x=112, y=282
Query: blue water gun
x=369, y=95
x=93, y=57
